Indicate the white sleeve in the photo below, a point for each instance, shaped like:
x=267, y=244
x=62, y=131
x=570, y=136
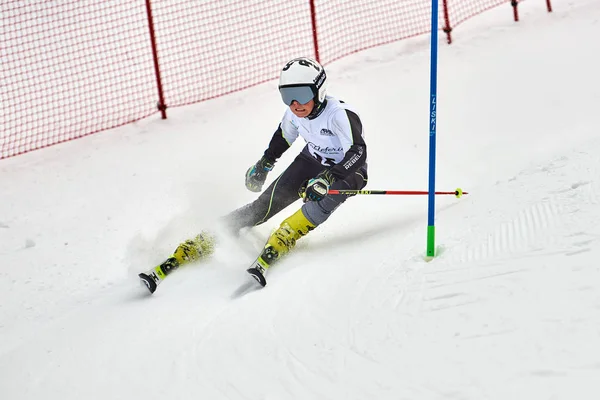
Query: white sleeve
x=289, y=128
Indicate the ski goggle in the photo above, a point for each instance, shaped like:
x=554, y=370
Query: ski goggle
x=302, y=94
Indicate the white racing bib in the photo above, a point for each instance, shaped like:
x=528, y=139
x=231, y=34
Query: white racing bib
x=328, y=137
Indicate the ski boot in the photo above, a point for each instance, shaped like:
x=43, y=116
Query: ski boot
x=281, y=241
x=189, y=251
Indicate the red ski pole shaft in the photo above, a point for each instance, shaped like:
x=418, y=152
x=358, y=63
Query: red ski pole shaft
x=457, y=192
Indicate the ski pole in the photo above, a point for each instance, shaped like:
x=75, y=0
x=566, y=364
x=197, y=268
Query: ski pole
x=458, y=192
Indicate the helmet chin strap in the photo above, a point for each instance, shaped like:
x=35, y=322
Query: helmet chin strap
x=317, y=109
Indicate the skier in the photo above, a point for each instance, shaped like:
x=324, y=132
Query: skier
x=334, y=158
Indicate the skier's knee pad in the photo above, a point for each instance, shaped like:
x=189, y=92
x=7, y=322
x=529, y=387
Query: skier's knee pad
x=319, y=211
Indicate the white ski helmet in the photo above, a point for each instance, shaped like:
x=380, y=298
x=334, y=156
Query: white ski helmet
x=303, y=79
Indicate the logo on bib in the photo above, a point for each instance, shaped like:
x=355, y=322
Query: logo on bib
x=326, y=132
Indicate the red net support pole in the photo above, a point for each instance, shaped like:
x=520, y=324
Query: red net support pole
x=447, y=28
x=515, y=5
x=548, y=6
x=162, y=107
x=313, y=19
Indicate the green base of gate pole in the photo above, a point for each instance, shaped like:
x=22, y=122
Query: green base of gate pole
x=430, y=243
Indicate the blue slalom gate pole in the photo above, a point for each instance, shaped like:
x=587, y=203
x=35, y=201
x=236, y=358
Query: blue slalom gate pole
x=432, y=130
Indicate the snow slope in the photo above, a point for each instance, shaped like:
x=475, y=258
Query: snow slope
x=510, y=308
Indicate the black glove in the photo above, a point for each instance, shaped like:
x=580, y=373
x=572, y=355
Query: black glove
x=317, y=188
x=257, y=174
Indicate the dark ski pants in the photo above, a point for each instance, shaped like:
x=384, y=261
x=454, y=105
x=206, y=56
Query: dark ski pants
x=284, y=191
